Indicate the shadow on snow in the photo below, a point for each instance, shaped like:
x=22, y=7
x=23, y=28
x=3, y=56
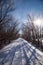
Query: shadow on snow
x=16, y=55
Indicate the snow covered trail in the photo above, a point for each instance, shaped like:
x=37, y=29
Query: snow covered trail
x=20, y=52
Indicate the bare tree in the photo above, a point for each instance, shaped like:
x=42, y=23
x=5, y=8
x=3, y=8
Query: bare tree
x=8, y=26
x=29, y=29
x=32, y=32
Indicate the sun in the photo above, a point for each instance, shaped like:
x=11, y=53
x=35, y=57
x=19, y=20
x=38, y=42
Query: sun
x=37, y=22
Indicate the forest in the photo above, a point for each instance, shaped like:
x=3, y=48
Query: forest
x=9, y=27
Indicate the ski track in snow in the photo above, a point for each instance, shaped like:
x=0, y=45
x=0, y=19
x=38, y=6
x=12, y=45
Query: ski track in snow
x=20, y=52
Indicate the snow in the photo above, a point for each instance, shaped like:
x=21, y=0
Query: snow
x=20, y=52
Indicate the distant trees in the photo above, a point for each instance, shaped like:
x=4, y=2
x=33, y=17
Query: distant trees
x=13, y=31
x=8, y=26
x=29, y=29
x=32, y=32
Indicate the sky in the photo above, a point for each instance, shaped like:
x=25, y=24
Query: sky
x=25, y=7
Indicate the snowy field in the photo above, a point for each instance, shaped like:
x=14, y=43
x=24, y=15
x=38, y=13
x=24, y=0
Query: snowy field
x=20, y=52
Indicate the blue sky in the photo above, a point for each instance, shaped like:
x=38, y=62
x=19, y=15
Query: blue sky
x=23, y=7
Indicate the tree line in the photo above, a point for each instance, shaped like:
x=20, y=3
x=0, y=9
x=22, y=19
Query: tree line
x=9, y=27
x=33, y=33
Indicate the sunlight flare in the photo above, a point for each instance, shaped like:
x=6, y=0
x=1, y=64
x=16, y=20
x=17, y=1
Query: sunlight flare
x=37, y=22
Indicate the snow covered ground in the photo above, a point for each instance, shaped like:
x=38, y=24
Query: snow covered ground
x=20, y=52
